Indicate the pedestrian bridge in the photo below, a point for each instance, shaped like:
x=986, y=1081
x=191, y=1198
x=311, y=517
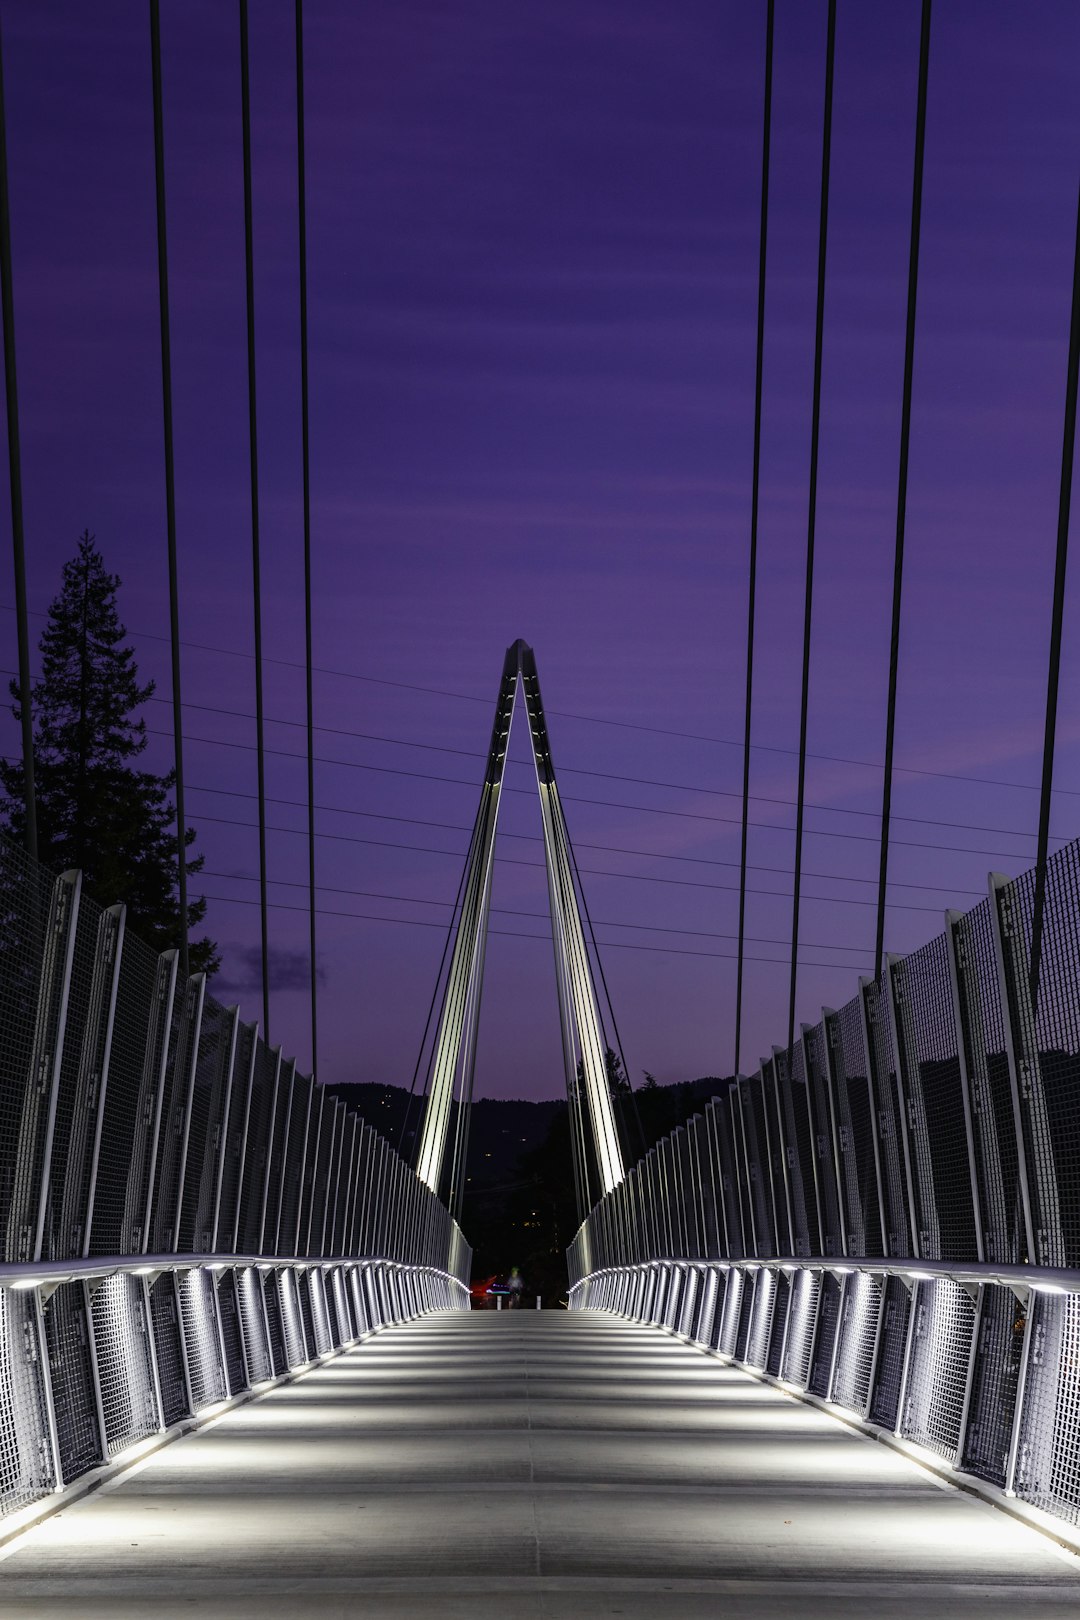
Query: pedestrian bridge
x=820, y=1357
x=530, y=1464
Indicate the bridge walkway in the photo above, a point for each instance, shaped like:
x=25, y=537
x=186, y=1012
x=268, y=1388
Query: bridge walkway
x=523, y=1465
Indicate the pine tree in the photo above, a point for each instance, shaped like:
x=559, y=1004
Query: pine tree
x=96, y=810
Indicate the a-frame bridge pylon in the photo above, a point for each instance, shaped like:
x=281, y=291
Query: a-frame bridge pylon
x=454, y=1055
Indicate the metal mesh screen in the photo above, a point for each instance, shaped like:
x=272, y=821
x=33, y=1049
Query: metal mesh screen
x=778, y=1141
x=205, y=1128
x=724, y=1143
x=271, y=1292
x=801, y=1325
x=993, y=1392
x=196, y=1291
x=801, y=1156
x=231, y=1338
x=778, y=1331
x=183, y=1045
x=828, y=1324
x=165, y=1321
x=858, y=1339
x=892, y=1350
x=25, y=906
x=67, y=1333
x=946, y=1213
x=233, y=1149
x=757, y=1165
x=855, y=1131
x=292, y=1327
x=127, y=1105
x=991, y=1090
x=123, y=1359
x=262, y=1119
x=26, y=1464
x=747, y=1300
x=253, y=1324
x=287, y=1170
x=822, y=1124
x=1048, y=1464
x=890, y=1125
x=1050, y=1047
x=320, y=1321
x=944, y=1321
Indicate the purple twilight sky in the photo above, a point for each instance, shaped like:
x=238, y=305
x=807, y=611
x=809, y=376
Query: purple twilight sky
x=533, y=261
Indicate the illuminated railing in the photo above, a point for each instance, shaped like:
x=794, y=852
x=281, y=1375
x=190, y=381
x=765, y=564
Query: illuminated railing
x=887, y=1217
x=184, y=1216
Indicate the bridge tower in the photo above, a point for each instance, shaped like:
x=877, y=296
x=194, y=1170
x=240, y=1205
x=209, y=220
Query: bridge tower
x=583, y=1047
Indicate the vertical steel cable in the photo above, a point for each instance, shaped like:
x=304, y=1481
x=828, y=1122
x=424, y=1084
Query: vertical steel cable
x=902, y=482
x=7, y=299
x=170, y=480
x=301, y=171
x=249, y=275
x=1054, y=672
x=811, y=526
x=755, y=489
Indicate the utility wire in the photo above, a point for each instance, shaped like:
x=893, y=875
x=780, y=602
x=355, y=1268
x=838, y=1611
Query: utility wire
x=811, y=525
x=18, y=549
x=1057, y=618
x=582, y=770
x=902, y=481
x=305, y=442
x=507, y=860
x=754, y=506
x=170, y=480
x=604, y=804
x=256, y=569
x=594, y=719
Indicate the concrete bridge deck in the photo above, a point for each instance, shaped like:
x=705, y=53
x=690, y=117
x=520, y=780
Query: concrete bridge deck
x=529, y=1465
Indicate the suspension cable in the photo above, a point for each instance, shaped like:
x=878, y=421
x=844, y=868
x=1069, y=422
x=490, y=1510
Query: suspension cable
x=754, y=504
x=7, y=299
x=170, y=481
x=256, y=570
x=811, y=525
x=902, y=481
x=305, y=437
x=1057, y=618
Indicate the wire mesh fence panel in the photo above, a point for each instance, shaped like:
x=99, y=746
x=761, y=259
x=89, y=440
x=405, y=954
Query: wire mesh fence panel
x=131, y=1118
x=798, y=1351
x=719, y=1113
x=67, y=1334
x=856, y=1131
x=197, y=1315
x=275, y=1325
x=232, y=1341
x=1002, y=1318
x=86, y=1050
x=262, y=1121
x=942, y=1328
x=892, y=1351
x=286, y=1173
x=1048, y=1461
x=889, y=1121
x=320, y=1320
x=1050, y=1044
x=125, y=1372
x=936, y=1105
x=822, y=1125
x=858, y=1340
x=26, y=1463
x=38, y=1090
x=205, y=1125
x=314, y=1228
x=165, y=1321
x=747, y=1298
x=26, y=892
x=993, y=1125
x=183, y=1049
x=296, y=1349
x=828, y=1326
x=778, y=1330
x=797, y=1114
x=337, y=1327
x=234, y=1132
x=758, y=1169
x=253, y=1325
x=779, y=1168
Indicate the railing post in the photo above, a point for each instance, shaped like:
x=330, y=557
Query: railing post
x=1021, y=1389
x=112, y=941
x=249, y=1086
x=976, y=1296
x=44, y=1079
x=192, y=1054
x=47, y=1390
x=223, y=1126
x=875, y=1112
x=151, y=1345
x=95, y=1370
